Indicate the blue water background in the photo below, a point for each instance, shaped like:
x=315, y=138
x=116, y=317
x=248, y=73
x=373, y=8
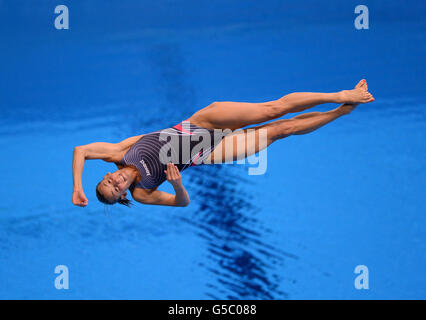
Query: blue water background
x=351, y=193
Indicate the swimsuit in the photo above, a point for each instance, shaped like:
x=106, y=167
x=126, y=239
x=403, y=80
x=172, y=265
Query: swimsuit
x=184, y=145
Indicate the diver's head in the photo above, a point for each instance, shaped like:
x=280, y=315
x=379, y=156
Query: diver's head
x=113, y=187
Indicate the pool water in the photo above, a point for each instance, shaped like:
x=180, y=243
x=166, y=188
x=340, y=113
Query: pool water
x=349, y=194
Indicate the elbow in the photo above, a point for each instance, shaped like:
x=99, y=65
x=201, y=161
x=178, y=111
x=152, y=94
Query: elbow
x=78, y=149
x=184, y=204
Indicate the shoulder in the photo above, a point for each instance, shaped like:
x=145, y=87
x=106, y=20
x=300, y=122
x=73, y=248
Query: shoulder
x=126, y=144
x=121, y=148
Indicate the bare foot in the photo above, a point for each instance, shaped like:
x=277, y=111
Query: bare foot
x=347, y=107
x=362, y=84
x=358, y=95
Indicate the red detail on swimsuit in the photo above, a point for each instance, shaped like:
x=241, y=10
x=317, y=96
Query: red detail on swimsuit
x=179, y=127
x=193, y=162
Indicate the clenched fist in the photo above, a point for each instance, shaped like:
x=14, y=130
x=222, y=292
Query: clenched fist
x=79, y=198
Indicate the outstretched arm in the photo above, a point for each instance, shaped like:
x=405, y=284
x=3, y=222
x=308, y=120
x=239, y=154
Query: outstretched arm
x=180, y=199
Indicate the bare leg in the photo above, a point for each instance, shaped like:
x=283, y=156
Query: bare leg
x=276, y=130
x=235, y=115
x=306, y=123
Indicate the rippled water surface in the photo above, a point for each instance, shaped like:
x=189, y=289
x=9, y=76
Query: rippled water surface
x=351, y=193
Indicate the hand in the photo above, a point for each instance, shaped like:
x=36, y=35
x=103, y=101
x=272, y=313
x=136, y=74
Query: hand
x=79, y=198
x=173, y=175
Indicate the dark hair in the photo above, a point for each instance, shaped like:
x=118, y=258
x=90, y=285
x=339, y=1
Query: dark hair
x=102, y=198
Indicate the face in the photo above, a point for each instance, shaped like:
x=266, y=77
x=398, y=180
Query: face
x=114, y=185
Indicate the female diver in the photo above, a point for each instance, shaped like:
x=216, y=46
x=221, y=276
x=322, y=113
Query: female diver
x=139, y=159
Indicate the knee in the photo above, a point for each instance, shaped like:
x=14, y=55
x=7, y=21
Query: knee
x=273, y=109
x=283, y=129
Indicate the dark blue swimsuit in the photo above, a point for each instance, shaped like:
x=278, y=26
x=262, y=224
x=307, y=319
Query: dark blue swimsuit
x=184, y=144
